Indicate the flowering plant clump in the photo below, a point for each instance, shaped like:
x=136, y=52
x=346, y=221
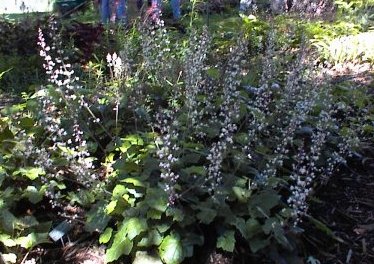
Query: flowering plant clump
x=223, y=144
x=64, y=104
x=167, y=146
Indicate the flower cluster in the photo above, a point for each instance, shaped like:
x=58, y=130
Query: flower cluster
x=207, y=114
x=291, y=111
x=309, y=165
x=62, y=105
x=156, y=47
x=115, y=65
x=58, y=72
x=167, y=124
x=306, y=169
x=195, y=63
x=260, y=107
x=216, y=155
x=229, y=113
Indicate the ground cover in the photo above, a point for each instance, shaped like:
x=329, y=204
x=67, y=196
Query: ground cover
x=222, y=139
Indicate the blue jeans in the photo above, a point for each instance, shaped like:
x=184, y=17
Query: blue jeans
x=113, y=10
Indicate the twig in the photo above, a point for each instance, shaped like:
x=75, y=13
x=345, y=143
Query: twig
x=25, y=257
x=349, y=256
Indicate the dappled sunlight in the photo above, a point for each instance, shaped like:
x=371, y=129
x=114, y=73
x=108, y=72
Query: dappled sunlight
x=19, y=7
x=206, y=139
x=359, y=48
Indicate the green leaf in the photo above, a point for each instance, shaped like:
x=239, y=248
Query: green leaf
x=105, y=237
x=206, y=215
x=129, y=141
x=242, y=194
x=153, y=238
x=33, y=195
x=31, y=173
x=154, y=214
x=128, y=199
x=2, y=175
x=191, y=239
x=134, y=226
x=135, y=193
x=257, y=244
x=240, y=225
x=59, y=185
x=84, y=197
x=195, y=170
x=177, y=214
x=134, y=181
x=280, y=236
x=227, y=241
x=117, y=207
x=7, y=240
x=126, y=166
x=111, y=207
x=26, y=222
x=6, y=134
x=118, y=191
x=156, y=199
x=253, y=227
x=97, y=219
x=162, y=228
x=121, y=246
x=213, y=73
x=134, y=139
x=32, y=240
x=241, y=138
x=269, y=225
x=7, y=220
x=212, y=131
x=13, y=109
x=263, y=202
x=170, y=250
x=26, y=122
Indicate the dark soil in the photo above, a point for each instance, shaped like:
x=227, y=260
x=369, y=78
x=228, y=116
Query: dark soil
x=346, y=206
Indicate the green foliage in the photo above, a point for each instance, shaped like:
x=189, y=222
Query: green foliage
x=18, y=52
x=354, y=48
x=106, y=235
x=23, y=76
x=170, y=250
x=356, y=11
x=146, y=139
x=227, y=241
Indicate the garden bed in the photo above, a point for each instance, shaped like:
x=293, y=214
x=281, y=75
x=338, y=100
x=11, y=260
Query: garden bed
x=238, y=139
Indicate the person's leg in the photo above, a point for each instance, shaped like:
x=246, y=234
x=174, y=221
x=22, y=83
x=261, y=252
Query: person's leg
x=105, y=11
x=121, y=14
x=175, y=6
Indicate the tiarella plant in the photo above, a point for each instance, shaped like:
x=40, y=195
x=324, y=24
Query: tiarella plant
x=168, y=148
x=225, y=152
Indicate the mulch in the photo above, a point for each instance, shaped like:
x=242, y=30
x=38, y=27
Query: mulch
x=345, y=204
